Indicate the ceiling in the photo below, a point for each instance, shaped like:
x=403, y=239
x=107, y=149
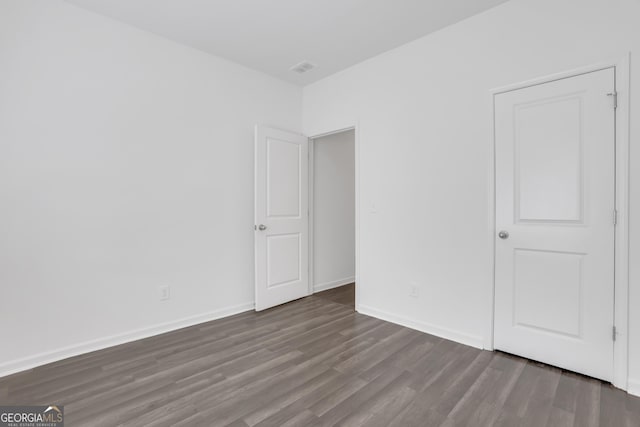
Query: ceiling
x=273, y=35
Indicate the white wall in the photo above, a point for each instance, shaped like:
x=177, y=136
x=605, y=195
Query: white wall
x=126, y=163
x=424, y=129
x=334, y=261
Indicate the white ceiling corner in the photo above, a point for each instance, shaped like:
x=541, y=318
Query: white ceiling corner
x=273, y=35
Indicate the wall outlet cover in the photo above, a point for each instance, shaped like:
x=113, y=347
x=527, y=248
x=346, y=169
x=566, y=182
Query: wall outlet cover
x=165, y=293
x=414, y=291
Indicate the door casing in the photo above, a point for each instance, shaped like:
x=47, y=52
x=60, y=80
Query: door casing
x=621, y=281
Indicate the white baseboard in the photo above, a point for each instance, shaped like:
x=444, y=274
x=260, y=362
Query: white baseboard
x=460, y=337
x=633, y=387
x=30, y=362
x=334, y=284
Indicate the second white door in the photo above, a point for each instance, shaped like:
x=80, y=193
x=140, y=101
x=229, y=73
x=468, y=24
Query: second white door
x=281, y=217
x=555, y=200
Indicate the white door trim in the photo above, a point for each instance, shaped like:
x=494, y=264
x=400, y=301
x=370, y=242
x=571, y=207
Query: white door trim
x=312, y=139
x=621, y=283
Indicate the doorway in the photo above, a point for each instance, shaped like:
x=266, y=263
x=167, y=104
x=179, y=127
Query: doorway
x=285, y=219
x=332, y=225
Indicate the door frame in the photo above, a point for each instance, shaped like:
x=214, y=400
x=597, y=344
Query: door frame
x=621, y=249
x=312, y=139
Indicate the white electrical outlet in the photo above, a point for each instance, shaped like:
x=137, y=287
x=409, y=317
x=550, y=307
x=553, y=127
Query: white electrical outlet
x=164, y=293
x=414, y=290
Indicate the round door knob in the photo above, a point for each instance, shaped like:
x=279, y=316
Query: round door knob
x=262, y=227
x=503, y=235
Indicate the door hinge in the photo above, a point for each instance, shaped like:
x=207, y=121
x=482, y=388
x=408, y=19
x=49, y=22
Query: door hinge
x=614, y=333
x=614, y=96
x=615, y=217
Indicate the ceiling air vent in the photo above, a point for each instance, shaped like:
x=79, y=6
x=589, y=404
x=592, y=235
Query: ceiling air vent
x=303, y=67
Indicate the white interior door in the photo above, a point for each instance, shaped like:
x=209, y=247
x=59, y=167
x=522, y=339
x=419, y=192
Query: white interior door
x=281, y=217
x=555, y=200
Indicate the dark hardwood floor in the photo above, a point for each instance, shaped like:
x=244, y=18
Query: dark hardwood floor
x=345, y=295
x=314, y=362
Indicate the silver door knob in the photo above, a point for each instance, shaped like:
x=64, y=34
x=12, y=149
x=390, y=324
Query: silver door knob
x=503, y=235
x=262, y=227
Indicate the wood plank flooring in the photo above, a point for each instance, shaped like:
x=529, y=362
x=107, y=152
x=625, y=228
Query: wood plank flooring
x=343, y=295
x=314, y=362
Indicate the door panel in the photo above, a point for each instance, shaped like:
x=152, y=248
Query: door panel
x=539, y=274
x=548, y=160
x=284, y=257
x=283, y=178
x=281, y=217
x=555, y=188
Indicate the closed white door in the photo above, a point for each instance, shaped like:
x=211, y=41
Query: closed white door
x=281, y=217
x=555, y=169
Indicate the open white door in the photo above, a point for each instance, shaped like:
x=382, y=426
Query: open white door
x=281, y=217
x=555, y=200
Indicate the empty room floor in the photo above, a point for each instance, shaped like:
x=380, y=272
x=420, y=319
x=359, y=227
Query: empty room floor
x=314, y=362
x=342, y=295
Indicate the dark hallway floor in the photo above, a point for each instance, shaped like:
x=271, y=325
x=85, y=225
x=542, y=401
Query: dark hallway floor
x=343, y=295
